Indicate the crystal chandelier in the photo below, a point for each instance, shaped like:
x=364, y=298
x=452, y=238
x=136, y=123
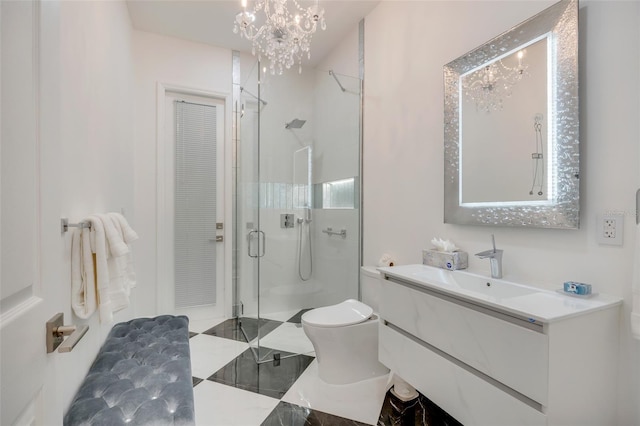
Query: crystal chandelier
x=285, y=36
x=489, y=85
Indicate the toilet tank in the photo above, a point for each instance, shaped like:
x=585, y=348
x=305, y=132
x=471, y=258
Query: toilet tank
x=371, y=283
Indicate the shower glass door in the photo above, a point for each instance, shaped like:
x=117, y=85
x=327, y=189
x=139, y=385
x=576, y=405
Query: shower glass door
x=297, y=175
x=250, y=238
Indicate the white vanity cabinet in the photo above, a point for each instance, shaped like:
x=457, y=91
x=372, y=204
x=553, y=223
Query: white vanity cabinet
x=536, y=358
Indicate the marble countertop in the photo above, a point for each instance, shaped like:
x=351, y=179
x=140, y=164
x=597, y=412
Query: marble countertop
x=525, y=301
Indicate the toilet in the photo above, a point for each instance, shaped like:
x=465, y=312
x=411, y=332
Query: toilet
x=345, y=336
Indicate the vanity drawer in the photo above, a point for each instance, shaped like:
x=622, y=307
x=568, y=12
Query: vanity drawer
x=467, y=397
x=511, y=354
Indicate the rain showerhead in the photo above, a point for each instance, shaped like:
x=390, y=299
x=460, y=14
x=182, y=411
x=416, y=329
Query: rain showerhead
x=295, y=124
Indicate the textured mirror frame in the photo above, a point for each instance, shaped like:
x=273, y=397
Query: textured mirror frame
x=563, y=210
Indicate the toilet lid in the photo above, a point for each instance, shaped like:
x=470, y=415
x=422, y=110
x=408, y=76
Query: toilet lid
x=348, y=312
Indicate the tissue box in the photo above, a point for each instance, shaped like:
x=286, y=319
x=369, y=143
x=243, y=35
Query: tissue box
x=446, y=260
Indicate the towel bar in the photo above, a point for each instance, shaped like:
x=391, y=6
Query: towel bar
x=65, y=225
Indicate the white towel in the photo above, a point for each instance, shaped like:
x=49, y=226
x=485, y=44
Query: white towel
x=99, y=247
x=635, y=289
x=115, y=240
x=128, y=234
x=83, y=288
x=117, y=262
x=119, y=287
x=102, y=273
x=126, y=262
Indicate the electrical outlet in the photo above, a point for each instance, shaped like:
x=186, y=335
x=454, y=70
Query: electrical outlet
x=610, y=229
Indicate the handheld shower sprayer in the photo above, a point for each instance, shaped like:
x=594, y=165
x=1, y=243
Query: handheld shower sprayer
x=307, y=216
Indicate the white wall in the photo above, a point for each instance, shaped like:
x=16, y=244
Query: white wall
x=176, y=62
x=407, y=43
x=289, y=96
x=337, y=130
x=344, y=58
x=337, y=113
x=86, y=163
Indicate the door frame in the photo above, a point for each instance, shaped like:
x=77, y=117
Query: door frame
x=165, y=290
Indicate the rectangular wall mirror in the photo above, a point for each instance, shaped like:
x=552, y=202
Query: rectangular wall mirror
x=511, y=126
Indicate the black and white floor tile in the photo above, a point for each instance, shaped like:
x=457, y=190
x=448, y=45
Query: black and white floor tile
x=231, y=389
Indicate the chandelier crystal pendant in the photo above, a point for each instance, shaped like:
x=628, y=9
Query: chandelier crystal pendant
x=492, y=83
x=285, y=35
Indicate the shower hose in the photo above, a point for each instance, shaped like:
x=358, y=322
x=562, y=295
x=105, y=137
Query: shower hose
x=302, y=223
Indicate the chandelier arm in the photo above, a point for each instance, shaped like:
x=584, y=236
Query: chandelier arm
x=309, y=32
x=259, y=32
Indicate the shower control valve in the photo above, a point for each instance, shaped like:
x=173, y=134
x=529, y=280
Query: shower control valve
x=287, y=220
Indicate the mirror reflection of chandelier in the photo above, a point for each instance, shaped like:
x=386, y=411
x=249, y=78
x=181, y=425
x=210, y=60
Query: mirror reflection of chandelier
x=285, y=36
x=493, y=82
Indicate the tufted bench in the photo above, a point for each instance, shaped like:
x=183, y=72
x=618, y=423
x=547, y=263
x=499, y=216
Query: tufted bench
x=141, y=376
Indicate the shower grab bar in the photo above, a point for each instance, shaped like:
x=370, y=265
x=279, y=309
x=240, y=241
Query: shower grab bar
x=330, y=232
x=333, y=74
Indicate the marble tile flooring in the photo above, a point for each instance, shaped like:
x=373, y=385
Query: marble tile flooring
x=419, y=411
x=231, y=389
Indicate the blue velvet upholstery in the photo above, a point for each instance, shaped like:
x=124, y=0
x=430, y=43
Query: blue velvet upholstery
x=141, y=376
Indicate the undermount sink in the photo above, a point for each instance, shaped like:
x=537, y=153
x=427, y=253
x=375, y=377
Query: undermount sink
x=491, y=287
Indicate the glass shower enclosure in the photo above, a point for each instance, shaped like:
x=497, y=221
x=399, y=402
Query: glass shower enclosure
x=297, y=212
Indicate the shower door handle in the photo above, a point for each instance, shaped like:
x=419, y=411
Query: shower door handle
x=264, y=244
x=251, y=237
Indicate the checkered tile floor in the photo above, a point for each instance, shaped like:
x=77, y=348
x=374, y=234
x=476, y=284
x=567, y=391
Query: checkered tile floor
x=230, y=388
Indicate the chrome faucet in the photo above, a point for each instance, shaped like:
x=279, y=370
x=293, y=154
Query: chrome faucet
x=495, y=258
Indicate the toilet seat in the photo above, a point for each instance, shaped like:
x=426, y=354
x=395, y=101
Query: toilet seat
x=349, y=312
